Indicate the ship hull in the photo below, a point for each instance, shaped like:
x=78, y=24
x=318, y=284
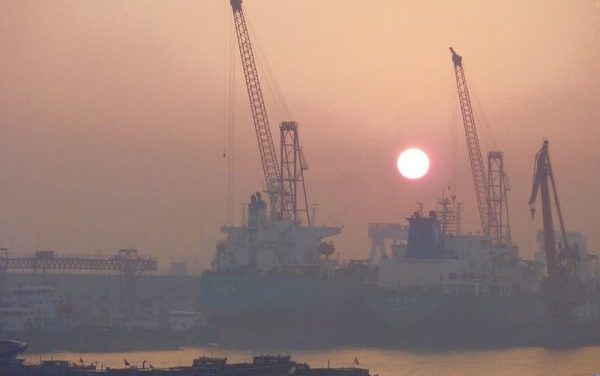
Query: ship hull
x=232, y=293
x=284, y=310
x=438, y=320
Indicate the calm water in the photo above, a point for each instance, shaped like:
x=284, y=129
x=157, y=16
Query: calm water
x=522, y=361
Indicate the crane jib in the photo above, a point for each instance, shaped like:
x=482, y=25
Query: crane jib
x=260, y=119
x=281, y=179
x=474, y=149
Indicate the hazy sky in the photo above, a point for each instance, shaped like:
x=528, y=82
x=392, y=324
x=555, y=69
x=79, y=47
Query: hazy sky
x=112, y=113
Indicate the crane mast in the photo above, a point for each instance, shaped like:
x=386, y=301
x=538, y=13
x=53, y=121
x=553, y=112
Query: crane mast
x=477, y=166
x=266, y=146
x=497, y=198
x=562, y=287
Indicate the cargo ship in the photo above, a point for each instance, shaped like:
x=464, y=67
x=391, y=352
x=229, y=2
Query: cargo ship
x=465, y=290
x=272, y=275
x=433, y=287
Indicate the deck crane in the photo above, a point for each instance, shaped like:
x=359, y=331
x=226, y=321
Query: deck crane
x=281, y=180
x=491, y=190
x=562, y=287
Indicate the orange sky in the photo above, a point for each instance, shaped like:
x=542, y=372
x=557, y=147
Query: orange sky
x=112, y=113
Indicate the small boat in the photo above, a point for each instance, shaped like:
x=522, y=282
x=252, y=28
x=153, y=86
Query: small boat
x=10, y=349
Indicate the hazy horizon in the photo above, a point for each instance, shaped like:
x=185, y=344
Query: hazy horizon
x=113, y=114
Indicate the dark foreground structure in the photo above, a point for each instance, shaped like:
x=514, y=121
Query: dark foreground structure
x=263, y=365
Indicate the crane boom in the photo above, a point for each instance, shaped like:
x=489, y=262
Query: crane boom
x=266, y=146
x=477, y=166
x=542, y=171
x=562, y=287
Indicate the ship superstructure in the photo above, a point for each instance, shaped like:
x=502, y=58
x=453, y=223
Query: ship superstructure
x=270, y=266
x=435, y=278
x=268, y=246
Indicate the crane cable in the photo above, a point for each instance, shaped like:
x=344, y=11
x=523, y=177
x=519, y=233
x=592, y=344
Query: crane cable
x=278, y=99
x=454, y=138
x=229, y=114
x=488, y=135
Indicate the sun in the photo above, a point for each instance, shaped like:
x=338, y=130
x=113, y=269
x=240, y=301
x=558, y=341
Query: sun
x=413, y=163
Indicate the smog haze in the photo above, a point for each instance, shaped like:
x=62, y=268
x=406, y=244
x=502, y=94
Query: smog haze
x=113, y=115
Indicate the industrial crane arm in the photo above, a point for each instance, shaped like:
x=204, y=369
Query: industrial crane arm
x=477, y=166
x=540, y=182
x=540, y=159
x=543, y=173
x=563, y=288
x=266, y=146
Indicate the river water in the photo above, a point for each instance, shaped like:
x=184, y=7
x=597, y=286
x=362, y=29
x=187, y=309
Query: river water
x=518, y=361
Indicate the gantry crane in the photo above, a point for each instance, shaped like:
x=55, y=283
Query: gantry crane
x=127, y=262
x=281, y=180
x=562, y=287
x=491, y=190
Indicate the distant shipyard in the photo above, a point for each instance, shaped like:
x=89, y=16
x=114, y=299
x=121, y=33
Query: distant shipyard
x=276, y=277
